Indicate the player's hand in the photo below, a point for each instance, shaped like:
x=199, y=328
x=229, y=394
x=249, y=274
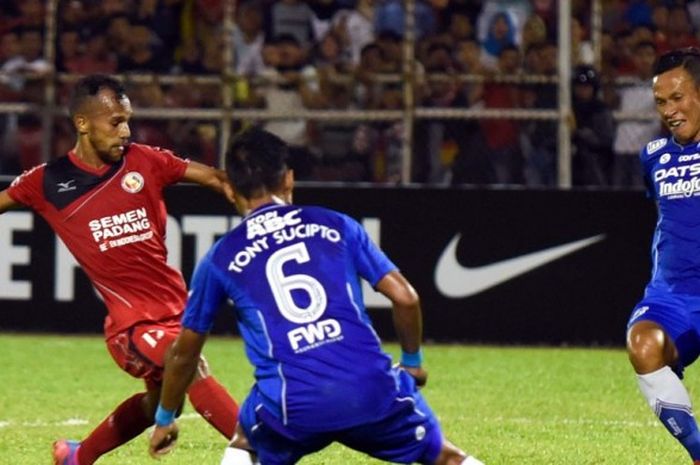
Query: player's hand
x=229, y=192
x=418, y=373
x=163, y=440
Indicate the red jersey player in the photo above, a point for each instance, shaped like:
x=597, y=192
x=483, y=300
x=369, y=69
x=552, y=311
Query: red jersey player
x=104, y=199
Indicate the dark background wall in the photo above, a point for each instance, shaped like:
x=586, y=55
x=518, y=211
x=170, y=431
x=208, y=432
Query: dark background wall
x=572, y=263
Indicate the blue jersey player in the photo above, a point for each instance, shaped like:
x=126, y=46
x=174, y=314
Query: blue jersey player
x=664, y=329
x=293, y=274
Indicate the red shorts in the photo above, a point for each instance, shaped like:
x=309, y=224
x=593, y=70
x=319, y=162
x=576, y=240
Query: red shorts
x=141, y=349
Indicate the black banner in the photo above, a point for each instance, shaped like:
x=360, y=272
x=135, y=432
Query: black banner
x=491, y=266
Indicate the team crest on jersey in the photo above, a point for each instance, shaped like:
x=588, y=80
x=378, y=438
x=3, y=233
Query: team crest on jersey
x=655, y=145
x=132, y=182
x=665, y=158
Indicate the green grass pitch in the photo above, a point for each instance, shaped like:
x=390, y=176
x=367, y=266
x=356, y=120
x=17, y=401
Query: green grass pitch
x=513, y=405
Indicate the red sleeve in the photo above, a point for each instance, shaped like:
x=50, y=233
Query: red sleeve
x=171, y=168
x=27, y=188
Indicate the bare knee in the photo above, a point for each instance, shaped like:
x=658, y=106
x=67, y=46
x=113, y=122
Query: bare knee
x=239, y=439
x=202, y=369
x=649, y=348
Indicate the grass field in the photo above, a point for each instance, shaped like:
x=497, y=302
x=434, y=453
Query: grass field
x=524, y=406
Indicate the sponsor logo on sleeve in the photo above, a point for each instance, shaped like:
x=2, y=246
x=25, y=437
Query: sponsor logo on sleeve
x=655, y=145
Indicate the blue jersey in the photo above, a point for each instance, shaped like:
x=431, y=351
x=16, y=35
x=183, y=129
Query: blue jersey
x=293, y=274
x=672, y=173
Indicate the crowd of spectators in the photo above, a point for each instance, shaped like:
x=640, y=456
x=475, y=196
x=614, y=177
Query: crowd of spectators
x=348, y=54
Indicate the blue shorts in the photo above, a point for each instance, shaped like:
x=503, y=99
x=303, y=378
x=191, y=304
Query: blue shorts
x=679, y=316
x=408, y=433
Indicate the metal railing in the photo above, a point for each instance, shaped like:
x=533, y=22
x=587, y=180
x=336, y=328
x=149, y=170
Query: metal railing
x=228, y=112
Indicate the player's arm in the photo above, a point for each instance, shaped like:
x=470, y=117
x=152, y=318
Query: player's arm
x=180, y=366
x=408, y=321
x=207, y=176
x=7, y=202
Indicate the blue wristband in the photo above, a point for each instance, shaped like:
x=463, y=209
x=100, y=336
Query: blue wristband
x=412, y=360
x=164, y=417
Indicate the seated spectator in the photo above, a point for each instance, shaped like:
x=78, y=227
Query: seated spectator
x=338, y=159
x=389, y=17
x=534, y=32
x=460, y=27
x=292, y=85
x=118, y=37
x=96, y=57
x=502, y=134
x=331, y=63
x=539, y=138
x=163, y=18
x=659, y=20
x=9, y=17
x=439, y=143
x=213, y=54
x=355, y=28
x=635, y=99
x=145, y=52
x=32, y=14
x=678, y=32
x=10, y=54
x=500, y=35
x=592, y=131
x=390, y=45
x=248, y=39
x=381, y=141
x=517, y=11
x=24, y=69
x=369, y=67
x=468, y=60
x=68, y=49
x=581, y=49
x=295, y=18
x=190, y=57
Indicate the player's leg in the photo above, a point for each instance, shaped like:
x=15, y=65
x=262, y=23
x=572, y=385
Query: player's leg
x=270, y=441
x=212, y=401
x=127, y=421
x=453, y=455
x=660, y=343
x=209, y=398
x=408, y=433
x=239, y=451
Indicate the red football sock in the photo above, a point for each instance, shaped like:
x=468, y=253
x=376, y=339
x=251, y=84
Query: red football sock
x=215, y=404
x=125, y=423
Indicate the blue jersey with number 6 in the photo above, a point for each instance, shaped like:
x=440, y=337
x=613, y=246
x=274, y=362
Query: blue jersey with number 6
x=293, y=274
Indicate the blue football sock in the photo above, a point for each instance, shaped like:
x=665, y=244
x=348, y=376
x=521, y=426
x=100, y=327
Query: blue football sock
x=681, y=424
x=670, y=401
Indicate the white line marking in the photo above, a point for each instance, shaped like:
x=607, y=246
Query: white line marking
x=68, y=422
x=569, y=421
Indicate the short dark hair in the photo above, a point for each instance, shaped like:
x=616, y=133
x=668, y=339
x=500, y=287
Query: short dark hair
x=256, y=161
x=687, y=58
x=89, y=87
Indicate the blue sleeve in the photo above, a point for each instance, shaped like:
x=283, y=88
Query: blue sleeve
x=207, y=293
x=371, y=263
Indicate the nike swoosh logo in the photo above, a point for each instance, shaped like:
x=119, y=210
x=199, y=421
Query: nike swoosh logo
x=456, y=281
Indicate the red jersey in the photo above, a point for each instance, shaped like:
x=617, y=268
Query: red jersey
x=113, y=221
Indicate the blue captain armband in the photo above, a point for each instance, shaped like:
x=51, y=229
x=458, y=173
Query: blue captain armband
x=412, y=360
x=164, y=417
